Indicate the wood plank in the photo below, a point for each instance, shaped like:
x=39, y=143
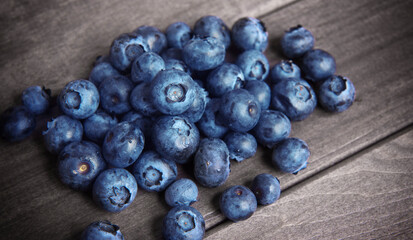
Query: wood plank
x=50, y=43
x=372, y=46
x=369, y=196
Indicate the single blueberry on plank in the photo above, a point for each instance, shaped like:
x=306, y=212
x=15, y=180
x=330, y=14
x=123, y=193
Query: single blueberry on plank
x=114, y=189
x=336, y=94
x=102, y=230
x=17, y=123
x=182, y=192
x=291, y=155
x=296, y=42
x=237, y=203
x=36, y=99
x=184, y=223
x=266, y=188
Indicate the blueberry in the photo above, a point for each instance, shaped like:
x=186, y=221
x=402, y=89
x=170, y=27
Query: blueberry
x=178, y=34
x=173, y=92
x=79, y=164
x=296, y=42
x=96, y=126
x=177, y=65
x=154, y=38
x=240, y=145
x=261, y=91
x=183, y=223
x=62, y=131
x=125, y=49
x=336, y=94
x=197, y=108
x=237, y=203
x=284, y=70
x=203, y=53
x=318, y=65
x=266, y=188
x=224, y=79
x=175, y=138
x=141, y=100
x=239, y=110
x=182, y=192
x=114, y=92
x=172, y=53
x=114, y=189
x=272, y=127
x=210, y=124
x=291, y=155
x=253, y=64
x=294, y=97
x=123, y=144
x=79, y=99
x=213, y=26
x=101, y=71
x=17, y=123
x=154, y=173
x=249, y=33
x=102, y=230
x=211, y=163
x=146, y=66
x=36, y=99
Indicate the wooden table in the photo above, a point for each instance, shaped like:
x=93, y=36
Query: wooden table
x=359, y=181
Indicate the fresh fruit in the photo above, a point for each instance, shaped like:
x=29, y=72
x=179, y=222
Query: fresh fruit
x=266, y=188
x=237, y=203
x=183, y=223
x=291, y=155
x=182, y=192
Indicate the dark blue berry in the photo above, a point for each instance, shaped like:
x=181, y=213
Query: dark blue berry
x=224, y=79
x=266, y=188
x=36, y=99
x=114, y=92
x=146, y=66
x=296, y=42
x=211, y=163
x=336, y=94
x=141, y=100
x=102, y=230
x=249, y=33
x=125, y=49
x=261, y=91
x=272, y=127
x=123, y=144
x=17, y=123
x=153, y=37
x=79, y=99
x=178, y=34
x=79, y=164
x=173, y=92
x=101, y=71
x=291, y=155
x=254, y=65
x=240, y=145
x=154, y=173
x=237, y=203
x=203, y=53
x=175, y=138
x=182, y=192
x=318, y=65
x=213, y=26
x=183, y=223
x=239, y=110
x=294, y=97
x=114, y=189
x=284, y=70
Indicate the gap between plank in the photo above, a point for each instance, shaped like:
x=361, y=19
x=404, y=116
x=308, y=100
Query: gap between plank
x=336, y=165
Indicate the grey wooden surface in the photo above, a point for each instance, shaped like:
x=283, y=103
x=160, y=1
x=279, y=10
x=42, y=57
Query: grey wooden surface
x=52, y=42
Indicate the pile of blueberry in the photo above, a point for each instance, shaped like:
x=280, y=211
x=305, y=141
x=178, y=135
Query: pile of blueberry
x=162, y=99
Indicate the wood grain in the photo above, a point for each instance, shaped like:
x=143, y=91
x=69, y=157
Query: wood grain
x=53, y=42
x=368, y=196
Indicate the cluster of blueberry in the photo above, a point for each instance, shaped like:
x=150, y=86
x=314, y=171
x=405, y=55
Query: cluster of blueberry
x=141, y=112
